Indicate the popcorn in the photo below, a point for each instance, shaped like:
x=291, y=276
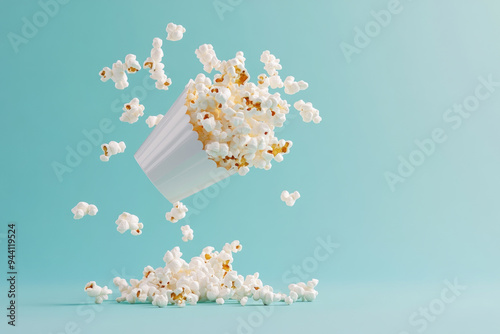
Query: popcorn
x=288, y=198
x=187, y=233
x=303, y=291
x=207, y=57
x=82, y=209
x=131, y=63
x=271, y=63
x=292, y=87
x=126, y=221
x=234, y=118
x=177, y=213
x=208, y=277
x=175, y=32
x=307, y=111
x=154, y=120
x=119, y=70
x=155, y=66
x=112, y=148
x=132, y=111
x=94, y=290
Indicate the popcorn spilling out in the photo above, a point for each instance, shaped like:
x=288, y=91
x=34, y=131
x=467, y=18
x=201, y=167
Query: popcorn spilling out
x=307, y=111
x=292, y=86
x=288, y=198
x=126, y=222
x=111, y=149
x=234, y=118
x=175, y=32
x=206, y=278
x=154, y=120
x=95, y=291
x=82, y=209
x=177, y=213
x=132, y=111
x=119, y=70
x=156, y=66
x=187, y=233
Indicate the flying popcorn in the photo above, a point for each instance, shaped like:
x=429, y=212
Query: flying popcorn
x=132, y=111
x=208, y=277
x=307, y=111
x=118, y=71
x=175, y=32
x=152, y=121
x=187, y=233
x=82, y=209
x=156, y=67
x=288, y=198
x=126, y=222
x=292, y=86
x=111, y=149
x=95, y=291
x=177, y=213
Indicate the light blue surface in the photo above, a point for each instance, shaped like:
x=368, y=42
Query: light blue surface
x=396, y=247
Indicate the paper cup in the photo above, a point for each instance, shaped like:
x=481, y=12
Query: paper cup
x=173, y=158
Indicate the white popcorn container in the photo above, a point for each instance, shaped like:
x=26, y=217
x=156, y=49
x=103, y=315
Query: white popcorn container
x=173, y=158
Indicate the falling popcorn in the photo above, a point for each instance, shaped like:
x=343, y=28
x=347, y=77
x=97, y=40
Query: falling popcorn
x=307, y=111
x=177, y=213
x=156, y=66
x=82, y=209
x=111, y=149
x=95, y=291
x=126, y=222
x=154, y=120
x=288, y=198
x=187, y=233
x=293, y=87
x=132, y=111
x=175, y=32
x=206, y=278
x=118, y=71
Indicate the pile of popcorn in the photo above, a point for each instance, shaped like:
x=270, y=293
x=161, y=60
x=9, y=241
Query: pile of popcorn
x=235, y=118
x=206, y=278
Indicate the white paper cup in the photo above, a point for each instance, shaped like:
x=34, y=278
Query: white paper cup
x=173, y=158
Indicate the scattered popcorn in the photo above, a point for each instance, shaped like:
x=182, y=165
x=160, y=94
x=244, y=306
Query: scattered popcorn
x=292, y=86
x=111, y=149
x=177, y=213
x=288, y=198
x=187, y=233
x=206, y=278
x=117, y=72
x=126, y=221
x=132, y=111
x=175, y=32
x=156, y=66
x=82, y=209
x=154, y=120
x=307, y=111
x=100, y=294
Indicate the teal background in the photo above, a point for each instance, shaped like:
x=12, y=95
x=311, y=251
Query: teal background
x=396, y=248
